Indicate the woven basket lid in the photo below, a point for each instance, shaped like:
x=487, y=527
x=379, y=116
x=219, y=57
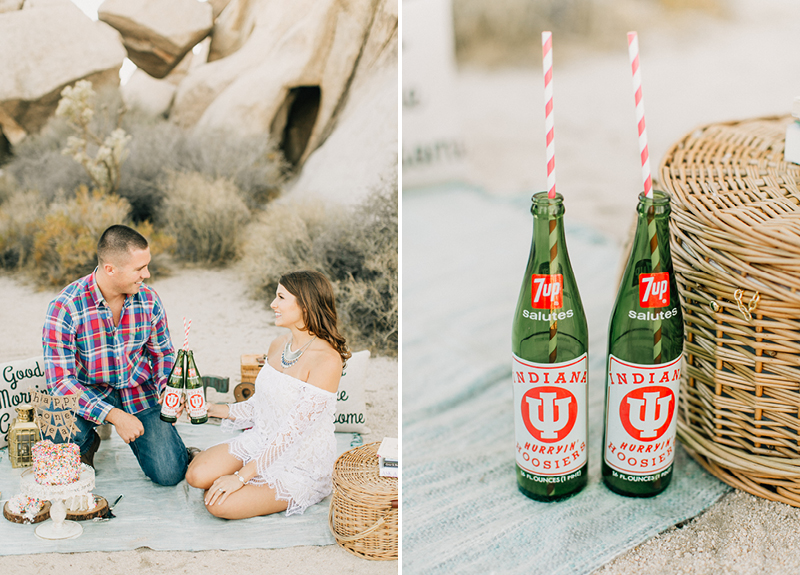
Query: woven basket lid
x=356, y=472
x=732, y=188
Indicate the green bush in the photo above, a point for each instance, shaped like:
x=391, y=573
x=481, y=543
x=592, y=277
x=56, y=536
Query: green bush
x=355, y=248
x=207, y=218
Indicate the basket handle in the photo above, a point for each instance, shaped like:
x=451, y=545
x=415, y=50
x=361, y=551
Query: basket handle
x=357, y=536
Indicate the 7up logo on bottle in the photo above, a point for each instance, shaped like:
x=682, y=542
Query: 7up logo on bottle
x=547, y=291
x=550, y=415
x=654, y=289
x=640, y=437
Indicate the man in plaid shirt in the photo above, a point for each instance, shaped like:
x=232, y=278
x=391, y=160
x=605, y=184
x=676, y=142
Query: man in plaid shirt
x=106, y=335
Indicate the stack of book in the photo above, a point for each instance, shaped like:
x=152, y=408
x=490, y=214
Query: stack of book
x=389, y=458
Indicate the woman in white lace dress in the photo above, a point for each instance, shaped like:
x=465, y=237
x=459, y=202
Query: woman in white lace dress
x=284, y=459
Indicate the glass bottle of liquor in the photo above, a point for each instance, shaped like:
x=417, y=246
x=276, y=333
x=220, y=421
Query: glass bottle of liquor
x=645, y=346
x=173, y=393
x=195, y=394
x=550, y=364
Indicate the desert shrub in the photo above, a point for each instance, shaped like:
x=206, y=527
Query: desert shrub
x=207, y=218
x=20, y=219
x=101, y=156
x=56, y=243
x=64, y=248
x=156, y=149
x=356, y=248
x=38, y=164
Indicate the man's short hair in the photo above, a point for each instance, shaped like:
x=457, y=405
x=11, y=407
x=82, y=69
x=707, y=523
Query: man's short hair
x=118, y=240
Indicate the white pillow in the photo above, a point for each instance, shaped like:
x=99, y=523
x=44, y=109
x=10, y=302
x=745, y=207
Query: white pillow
x=351, y=412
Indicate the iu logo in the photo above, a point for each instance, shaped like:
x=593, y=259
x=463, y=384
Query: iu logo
x=654, y=289
x=547, y=291
x=171, y=400
x=196, y=401
x=549, y=413
x=646, y=413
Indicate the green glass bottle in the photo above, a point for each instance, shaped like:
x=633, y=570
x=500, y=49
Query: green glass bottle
x=645, y=346
x=550, y=365
x=173, y=393
x=195, y=394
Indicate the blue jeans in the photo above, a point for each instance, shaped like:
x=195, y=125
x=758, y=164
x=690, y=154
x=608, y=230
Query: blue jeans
x=160, y=451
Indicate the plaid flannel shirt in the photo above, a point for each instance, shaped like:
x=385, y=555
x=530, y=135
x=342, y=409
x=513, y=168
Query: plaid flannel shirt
x=84, y=351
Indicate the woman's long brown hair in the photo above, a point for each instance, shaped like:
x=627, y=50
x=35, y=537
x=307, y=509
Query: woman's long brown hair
x=314, y=293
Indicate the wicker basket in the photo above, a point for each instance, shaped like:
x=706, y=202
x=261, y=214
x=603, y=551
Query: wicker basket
x=363, y=513
x=736, y=251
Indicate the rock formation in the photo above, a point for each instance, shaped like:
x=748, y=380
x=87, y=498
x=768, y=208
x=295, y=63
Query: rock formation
x=285, y=69
x=361, y=152
x=158, y=33
x=320, y=76
x=43, y=49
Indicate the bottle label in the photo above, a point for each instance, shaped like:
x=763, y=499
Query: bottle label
x=641, y=416
x=171, y=401
x=550, y=406
x=196, y=402
x=547, y=291
x=654, y=289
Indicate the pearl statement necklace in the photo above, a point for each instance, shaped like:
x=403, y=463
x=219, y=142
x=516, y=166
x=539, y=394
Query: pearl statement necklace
x=289, y=357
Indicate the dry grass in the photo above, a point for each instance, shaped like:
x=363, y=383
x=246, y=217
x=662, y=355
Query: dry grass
x=207, y=218
x=355, y=248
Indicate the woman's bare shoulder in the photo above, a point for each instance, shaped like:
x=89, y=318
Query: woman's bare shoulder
x=326, y=369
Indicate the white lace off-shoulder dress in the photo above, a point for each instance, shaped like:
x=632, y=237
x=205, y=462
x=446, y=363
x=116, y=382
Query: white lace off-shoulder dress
x=290, y=434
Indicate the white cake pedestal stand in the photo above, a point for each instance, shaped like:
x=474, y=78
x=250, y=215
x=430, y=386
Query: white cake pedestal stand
x=58, y=527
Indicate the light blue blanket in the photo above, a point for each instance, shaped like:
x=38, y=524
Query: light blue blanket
x=165, y=518
x=464, y=255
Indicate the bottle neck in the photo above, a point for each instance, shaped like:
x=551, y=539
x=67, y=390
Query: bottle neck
x=652, y=231
x=548, y=233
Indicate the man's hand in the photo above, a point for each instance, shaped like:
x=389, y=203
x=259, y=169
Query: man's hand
x=128, y=426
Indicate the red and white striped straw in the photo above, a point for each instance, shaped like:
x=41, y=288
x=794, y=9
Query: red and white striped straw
x=633, y=53
x=186, y=327
x=547, y=61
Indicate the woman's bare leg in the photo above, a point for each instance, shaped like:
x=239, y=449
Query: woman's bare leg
x=249, y=501
x=211, y=464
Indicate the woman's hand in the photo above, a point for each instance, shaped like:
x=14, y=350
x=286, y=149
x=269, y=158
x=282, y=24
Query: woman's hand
x=220, y=410
x=221, y=488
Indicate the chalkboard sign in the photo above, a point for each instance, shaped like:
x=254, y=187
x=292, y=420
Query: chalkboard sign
x=17, y=379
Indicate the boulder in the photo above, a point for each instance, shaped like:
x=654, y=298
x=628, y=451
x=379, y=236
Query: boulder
x=232, y=28
x=158, y=33
x=286, y=70
x=10, y=5
x=217, y=6
x=361, y=152
x=44, y=49
x=147, y=93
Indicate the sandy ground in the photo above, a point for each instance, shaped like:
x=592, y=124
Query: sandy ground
x=225, y=324
x=696, y=69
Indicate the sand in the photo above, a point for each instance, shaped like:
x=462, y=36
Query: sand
x=226, y=323
x=697, y=69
